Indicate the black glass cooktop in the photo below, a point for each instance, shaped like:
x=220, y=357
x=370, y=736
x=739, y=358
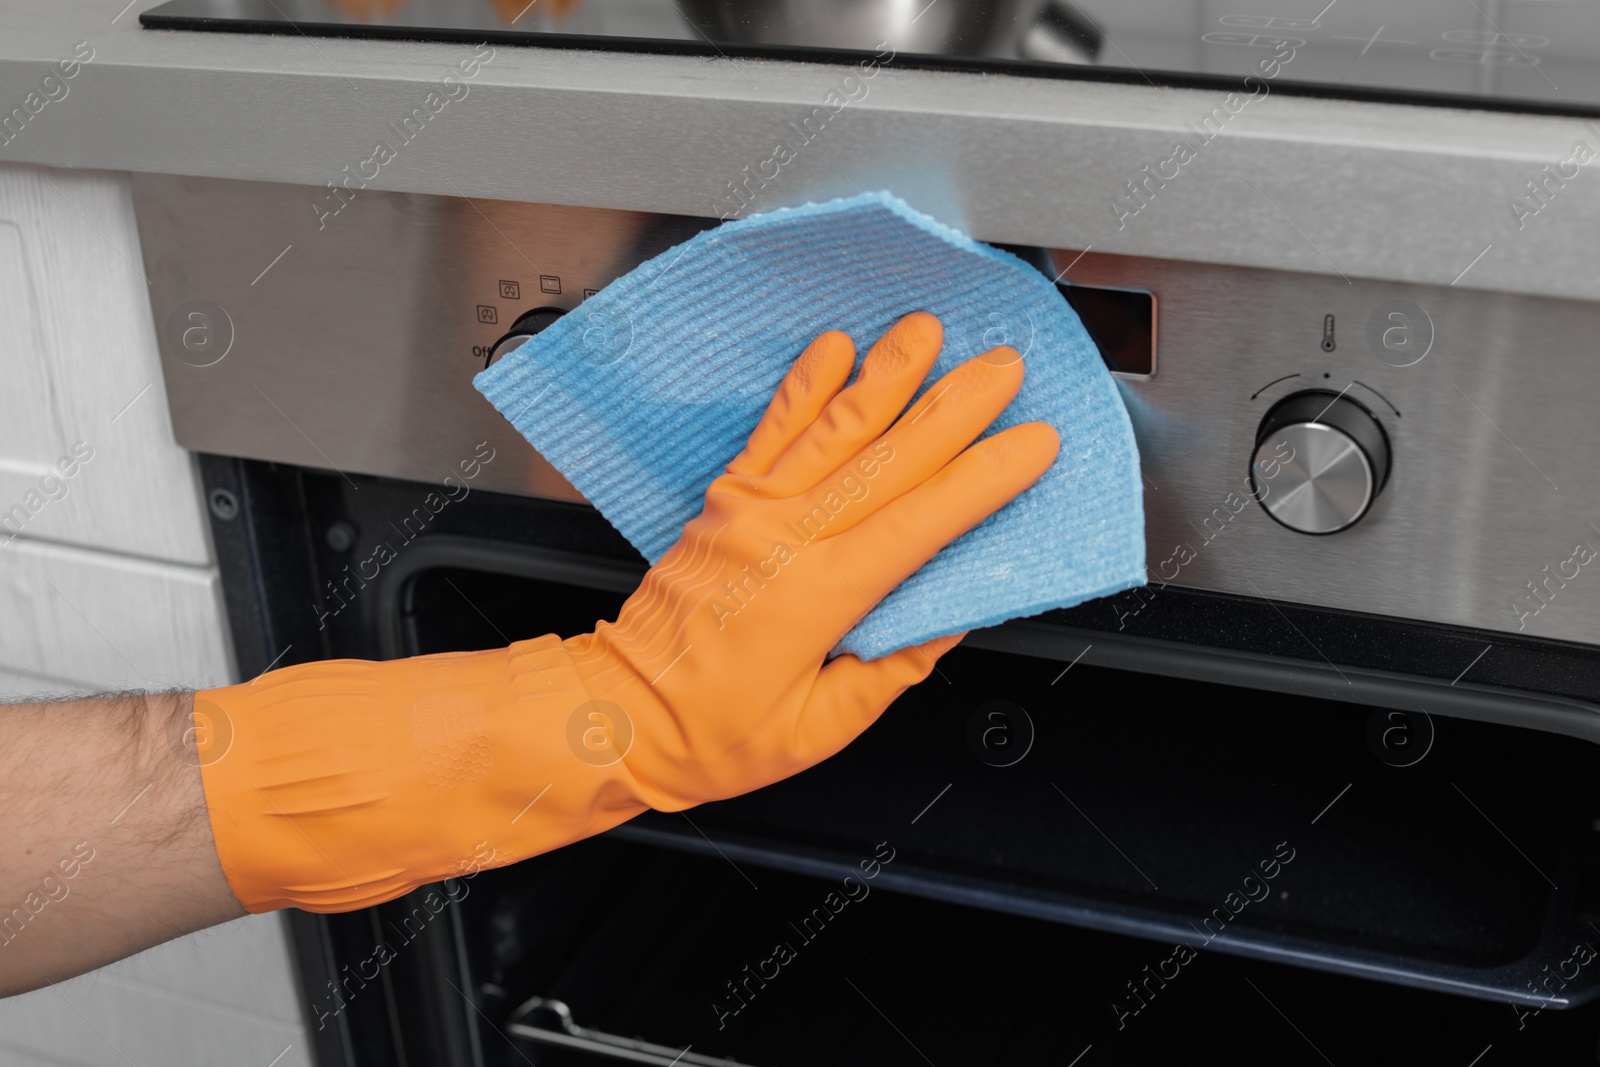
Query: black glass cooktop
x=1518, y=55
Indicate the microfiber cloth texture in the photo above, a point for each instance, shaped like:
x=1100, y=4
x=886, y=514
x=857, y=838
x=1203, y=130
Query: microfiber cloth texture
x=643, y=393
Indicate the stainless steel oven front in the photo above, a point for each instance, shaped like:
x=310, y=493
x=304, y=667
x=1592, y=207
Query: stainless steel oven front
x=1337, y=755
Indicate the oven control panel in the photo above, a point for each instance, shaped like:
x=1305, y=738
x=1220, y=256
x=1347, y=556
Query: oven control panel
x=1423, y=452
x=1420, y=452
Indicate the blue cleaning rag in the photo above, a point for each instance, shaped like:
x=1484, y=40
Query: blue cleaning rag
x=642, y=394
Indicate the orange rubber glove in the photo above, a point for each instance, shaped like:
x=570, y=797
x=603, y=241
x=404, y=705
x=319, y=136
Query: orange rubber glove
x=347, y=783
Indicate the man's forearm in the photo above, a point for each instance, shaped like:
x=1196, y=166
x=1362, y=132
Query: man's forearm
x=108, y=847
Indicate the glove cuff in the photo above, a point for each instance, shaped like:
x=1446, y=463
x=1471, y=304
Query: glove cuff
x=337, y=785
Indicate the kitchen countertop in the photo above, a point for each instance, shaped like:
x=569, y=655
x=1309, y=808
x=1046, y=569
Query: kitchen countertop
x=1335, y=187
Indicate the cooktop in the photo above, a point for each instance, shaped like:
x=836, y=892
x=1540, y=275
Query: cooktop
x=1518, y=55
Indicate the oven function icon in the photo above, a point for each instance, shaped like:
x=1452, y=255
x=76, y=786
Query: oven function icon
x=550, y=283
x=510, y=290
x=488, y=315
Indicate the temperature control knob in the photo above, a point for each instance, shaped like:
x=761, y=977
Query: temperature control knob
x=1320, y=461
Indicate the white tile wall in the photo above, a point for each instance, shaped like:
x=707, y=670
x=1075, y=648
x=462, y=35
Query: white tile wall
x=110, y=621
x=217, y=997
x=113, y=585
x=78, y=352
x=20, y=686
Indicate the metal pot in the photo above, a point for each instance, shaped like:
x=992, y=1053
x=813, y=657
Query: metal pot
x=995, y=28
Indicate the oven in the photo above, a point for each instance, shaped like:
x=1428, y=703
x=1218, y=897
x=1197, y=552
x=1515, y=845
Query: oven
x=1332, y=790
x=1323, y=788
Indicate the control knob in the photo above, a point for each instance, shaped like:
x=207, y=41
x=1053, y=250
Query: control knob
x=527, y=324
x=1320, y=461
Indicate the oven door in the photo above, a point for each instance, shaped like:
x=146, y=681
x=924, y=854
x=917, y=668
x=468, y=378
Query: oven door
x=1088, y=835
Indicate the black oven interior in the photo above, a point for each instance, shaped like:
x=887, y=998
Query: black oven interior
x=1063, y=855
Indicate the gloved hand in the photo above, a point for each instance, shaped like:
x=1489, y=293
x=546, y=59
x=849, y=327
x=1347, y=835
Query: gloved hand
x=347, y=782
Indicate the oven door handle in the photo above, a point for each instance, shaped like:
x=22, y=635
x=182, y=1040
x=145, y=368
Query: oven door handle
x=571, y=1035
